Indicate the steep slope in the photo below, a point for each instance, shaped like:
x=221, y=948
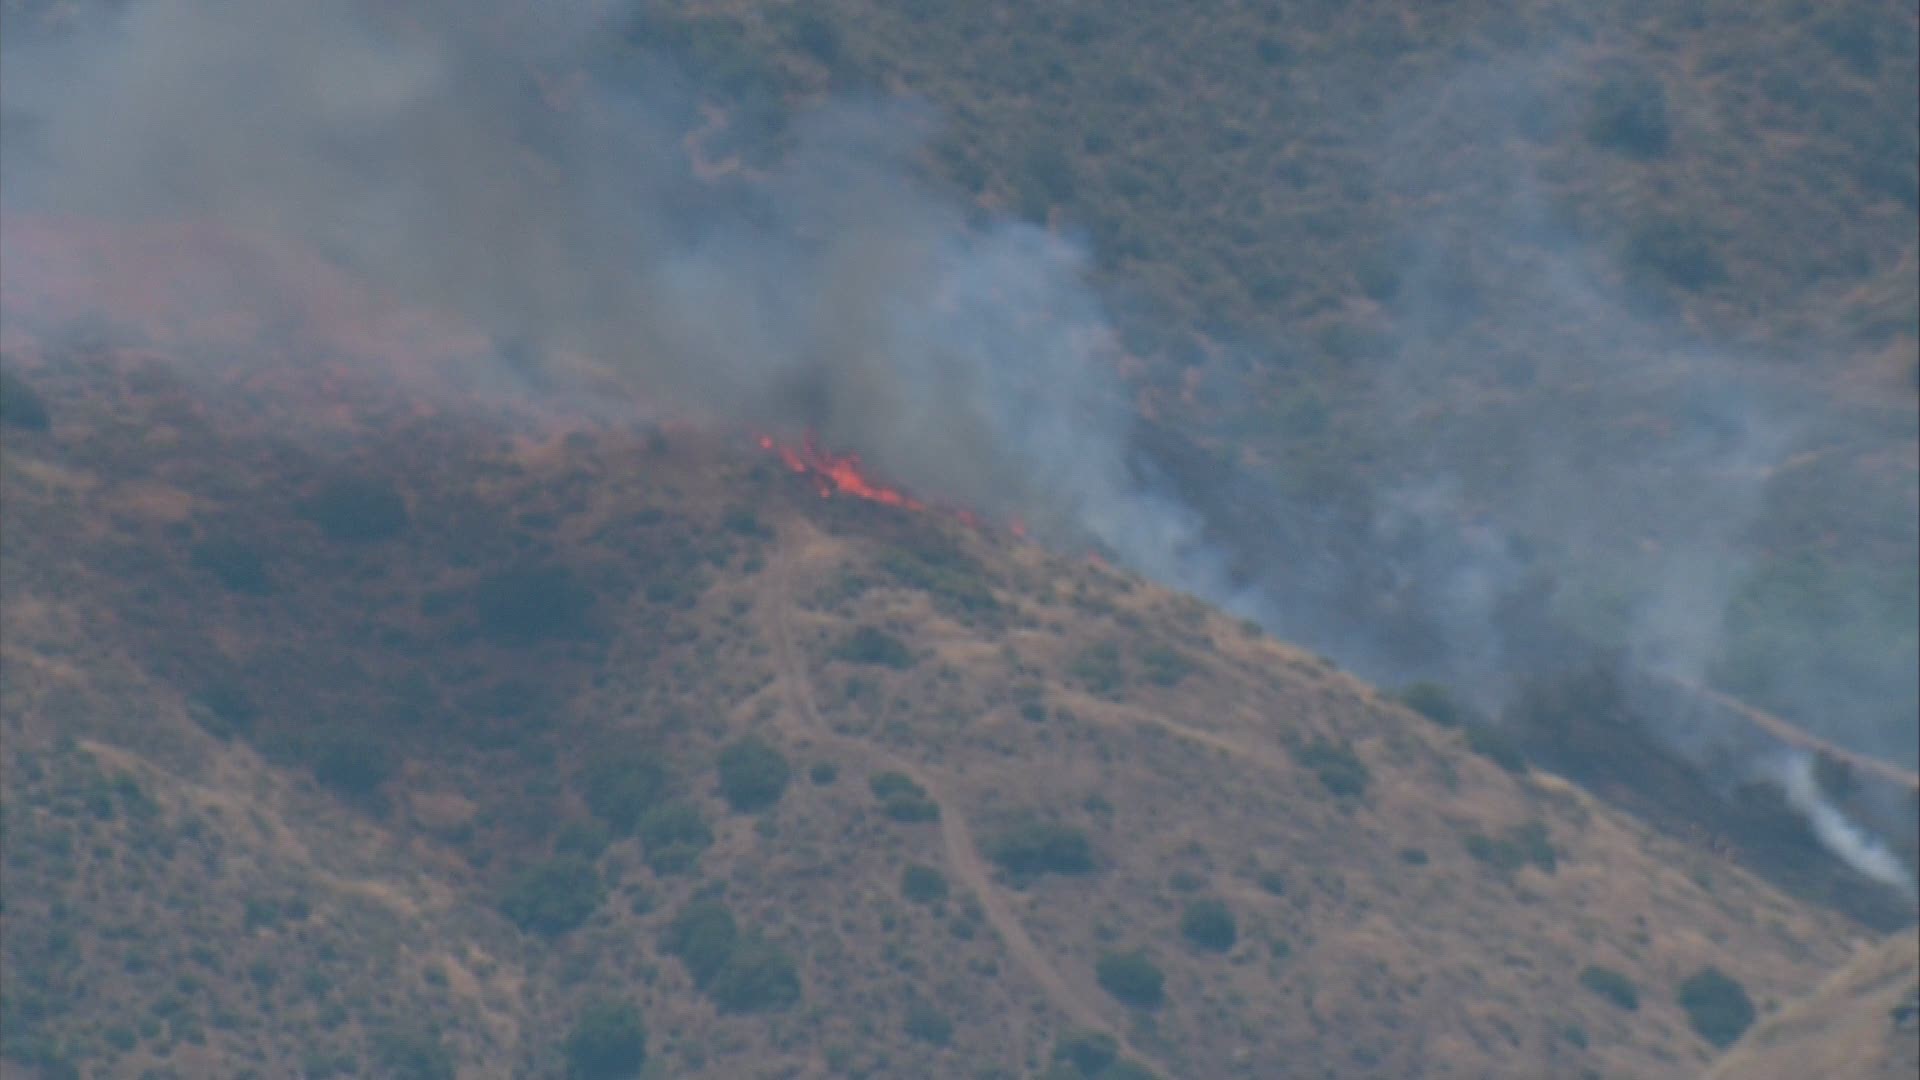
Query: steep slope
x=379, y=736
x=1863, y=1022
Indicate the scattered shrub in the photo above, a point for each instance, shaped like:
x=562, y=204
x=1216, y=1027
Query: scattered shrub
x=1087, y=1052
x=356, y=510
x=1098, y=668
x=672, y=837
x=1496, y=746
x=21, y=406
x=622, y=783
x=1165, y=667
x=409, y=1053
x=928, y=1024
x=1434, y=702
x=955, y=582
x=757, y=977
x=1032, y=848
x=554, y=896
x=1132, y=978
x=1612, y=985
x=235, y=565
x=1716, y=1005
x=753, y=775
x=901, y=799
x=870, y=645
x=608, y=1042
x=350, y=762
x=532, y=603
x=1209, y=924
x=702, y=937
x=1628, y=114
x=923, y=884
x=1338, y=767
x=1514, y=848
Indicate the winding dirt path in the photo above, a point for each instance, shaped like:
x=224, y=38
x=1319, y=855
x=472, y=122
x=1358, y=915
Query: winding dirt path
x=962, y=855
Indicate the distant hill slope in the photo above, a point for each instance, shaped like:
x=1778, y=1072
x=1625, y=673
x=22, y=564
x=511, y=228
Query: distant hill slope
x=1863, y=1023
x=383, y=737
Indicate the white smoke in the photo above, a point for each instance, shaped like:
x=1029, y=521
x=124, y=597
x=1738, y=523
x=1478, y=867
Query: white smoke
x=1836, y=833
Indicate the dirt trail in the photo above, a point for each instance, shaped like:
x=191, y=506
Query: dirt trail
x=962, y=854
x=1800, y=739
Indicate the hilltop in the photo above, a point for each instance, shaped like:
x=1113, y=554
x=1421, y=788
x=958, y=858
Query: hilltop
x=408, y=750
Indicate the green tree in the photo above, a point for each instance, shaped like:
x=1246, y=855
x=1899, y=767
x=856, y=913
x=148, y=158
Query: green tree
x=753, y=775
x=757, y=977
x=554, y=896
x=702, y=937
x=923, y=884
x=1040, y=847
x=1612, y=985
x=608, y=1042
x=1210, y=925
x=1132, y=978
x=673, y=836
x=622, y=782
x=1716, y=1005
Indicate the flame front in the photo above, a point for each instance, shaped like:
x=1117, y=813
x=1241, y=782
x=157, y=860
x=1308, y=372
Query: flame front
x=839, y=474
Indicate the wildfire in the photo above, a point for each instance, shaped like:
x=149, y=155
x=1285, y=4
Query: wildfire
x=837, y=473
x=843, y=474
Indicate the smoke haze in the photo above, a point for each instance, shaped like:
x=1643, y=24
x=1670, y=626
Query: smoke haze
x=481, y=162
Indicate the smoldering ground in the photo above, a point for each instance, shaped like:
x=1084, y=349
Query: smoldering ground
x=521, y=169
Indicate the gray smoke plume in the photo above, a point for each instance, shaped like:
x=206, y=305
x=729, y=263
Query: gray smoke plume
x=465, y=161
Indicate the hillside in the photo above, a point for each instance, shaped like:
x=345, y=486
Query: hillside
x=391, y=736
x=1862, y=1022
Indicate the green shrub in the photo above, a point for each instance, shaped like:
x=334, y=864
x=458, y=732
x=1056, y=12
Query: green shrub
x=1434, y=702
x=1165, y=667
x=1210, y=925
x=1716, y=1005
x=526, y=604
x=1132, y=978
x=350, y=762
x=622, y=783
x=608, y=1042
x=1086, y=1052
x=1032, y=847
x=1098, y=668
x=1612, y=985
x=955, y=582
x=702, y=937
x=672, y=836
x=823, y=773
x=554, y=896
x=238, y=567
x=357, y=510
x=757, y=977
x=928, y=1024
x=1496, y=746
x=901, y=799
x=753, y=775
x=1515, y=848
x=21, y=406
x=1628, y=114
x=923, y=884
x=410, y=1053
x=1338, y=767
x=871, y=645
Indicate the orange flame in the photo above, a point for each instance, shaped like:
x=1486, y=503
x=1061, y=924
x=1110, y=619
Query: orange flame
x=837, y=473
